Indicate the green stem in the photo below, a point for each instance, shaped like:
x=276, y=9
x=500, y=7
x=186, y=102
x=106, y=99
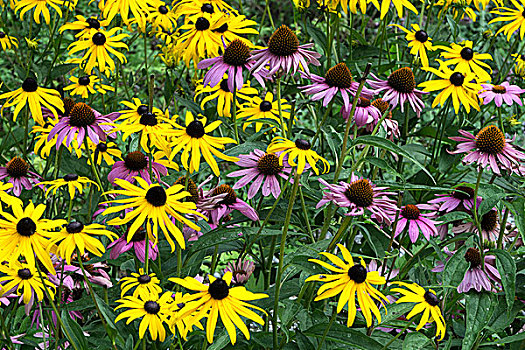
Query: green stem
x=234, y=113
x=476, y=217
x=305, y=212
x=502, y=228
x=94, y=168
x=283, y=125
x=146, y=254
x=500, y=118
x=397, y=336
x=332, y=319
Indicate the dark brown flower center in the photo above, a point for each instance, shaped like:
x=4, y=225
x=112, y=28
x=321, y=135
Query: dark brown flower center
x=490, y=140
x=93, y=23
x=402, y=80
x=207, y=8
x=69, y=103
x=457, y=79
x=142, y=109
x=360, y=193
x=152, y=307
x=283, y=42
x=230, y=198
x=265, y=106
x=2, y=35
x=202, y=24
x=99, y=39
x=222, y=29
x=431, y=298
x=70, y=177
x=467, y=53
x=236, y=53
x=84, y=81
x=81, y=115
x=144, y=279
x=339, y=76
x=135, y=161
x=26, y=227
x=102, y=147
x=421, y=36
x=224, y=85
x=219, y=289
x=195, y=129
x=29, y=85
x=363, y=102
x=139, y=235
x=499, y=89
x=463, y=193
x=74, y=227
x=156, y=196
x=17, y=167
x=381, y=105
x=489, y=221
x=268, y=164
x=163, y=10
x=302, y=144
x=410, y=212
x=25, y=274
x=148, y=119
x=357, y=273
x=191, y=188
x=473, y=257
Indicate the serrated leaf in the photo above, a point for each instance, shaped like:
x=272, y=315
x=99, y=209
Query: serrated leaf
x=479, y=309
x=507, y=270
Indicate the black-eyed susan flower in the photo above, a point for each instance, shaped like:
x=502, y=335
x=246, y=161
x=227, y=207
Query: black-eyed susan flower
x=285, y=53
x=24, y=234
x=86, y=27
x=350, y=280
x=98, y=48
x=124, y=8
x=516, y=17
x=257, y=110
x=86, y=85
x=35, y=97
x=192, y=9
x=7, y=42
x=195, y=139
x=40, y=8
x=399, y=5
x=135, y=110
x=6, y=198
x=178, y=323
x=299, y=154
x=219, y=298
x=24, y=280
x=160, y=15
x=76, y=235
x=210, y=6
x=32, y=44
x=153, y=206
x=17, y=172
x=418, y=42
x=466, y=60
x=232, y=27
x=73, y=182
x=222, y=94
x=426, y=302
x=456, y=85
x=142, y=282
x=106, y=151
x=154, y=308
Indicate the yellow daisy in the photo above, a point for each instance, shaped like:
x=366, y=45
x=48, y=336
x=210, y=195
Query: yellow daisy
x=257, y=110
x=466, y=60
x=399, y=5
x=231, y=27
x=25, y=281
x=144, y=283
x=418, y=42
x=160, y=15
x=6, y=198
x=7, y=42
x=88, y=84
x=86, y=27
x=40, y=8
x=72, y=181
x=110, y=8
x=300, y=150
x=135, y=110
x=515, y=16
x=104, y=151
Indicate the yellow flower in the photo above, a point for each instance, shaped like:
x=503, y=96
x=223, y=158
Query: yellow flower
x=258, y=110
x=104, y=150
x=40, y=8
x=160, y=15
x=7, y=42
x=135, y=111
x=515, y=16
x=219, y=298
x=145, y=283
x=194, y=138
x=418, y=42
x=86, y=85
x=426, y=302
x=399, y=5
x=35, y=96
x=350, y=280
x=6, y=198
x=72, y=181
x=466, y=60
x=457, y=85
x=32, y=43
x=231, y=28
x=25, y=281
x=98, y=48
x=86, y=27
x=300, y=150
x=110, y=8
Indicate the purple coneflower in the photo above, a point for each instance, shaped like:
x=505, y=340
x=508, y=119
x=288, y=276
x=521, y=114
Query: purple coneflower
x=81, y=121
x=137, y=243
x=135, y=164
x=400, y=87
x=390, y=125
x=190, y=235
x=365, y=115
x=489, y=223
x=242, y=270
x=461, y=198
x=227, y=204
x=489, y=148
x=411, y=215
x=476, y=277
x=234, y=61
x=359, y=195
x=264, y=168
x=501, y=93
x=285, y=53
x=17, y=172
x=337, y=79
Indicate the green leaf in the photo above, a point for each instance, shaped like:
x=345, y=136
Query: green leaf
x=415, y=341
x=383, y=143
x=507, y=270
x=454, y=216
x=455, y=268
x=491, y=195
x=479, y=311
x=393, y=312
x=507, y=340
x=74, y=331
x=61, y=69
x=344, y=336
x=517, y=208
x=382, y=164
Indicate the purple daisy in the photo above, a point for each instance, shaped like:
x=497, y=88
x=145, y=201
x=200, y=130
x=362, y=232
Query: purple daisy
x=501, y=93
x=416, y=221
x=242, y=270
x=489, y=148
x=337, y=79
x=359, y=195
x=137, y=242
x=476, y=277
x=365, y=115
x=489, y=223
x=81, y=121
x=284, y=53
x=17, y=172
x=264, y=168
x=234, y=61
x=400, y=87
x=135, y=164
x=461, y=198
x=228, y=204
